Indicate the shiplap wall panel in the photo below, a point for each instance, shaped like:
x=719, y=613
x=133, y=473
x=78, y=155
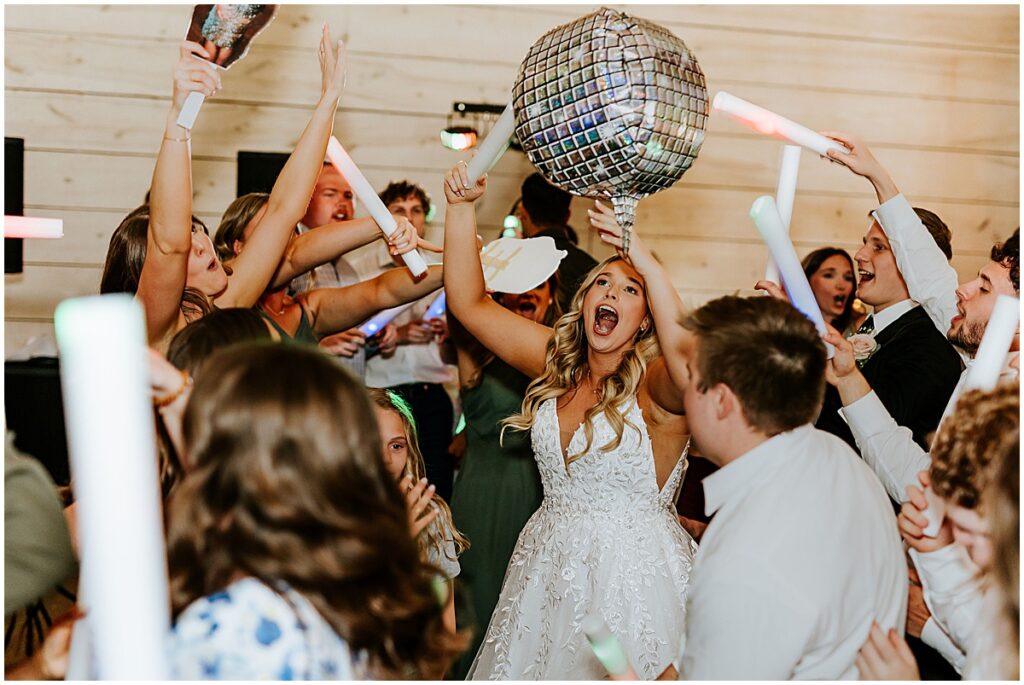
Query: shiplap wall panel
x=933, y=89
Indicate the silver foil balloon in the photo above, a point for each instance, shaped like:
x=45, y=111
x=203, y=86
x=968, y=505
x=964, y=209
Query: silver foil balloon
x=611, y=106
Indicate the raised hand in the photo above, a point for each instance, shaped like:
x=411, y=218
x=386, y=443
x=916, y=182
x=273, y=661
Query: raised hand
x=333, y=64
x=418, y=500
x=773, y=289
x=886, y=657
x=843, y=362
x=406, y=239
x=416, y=333
x=602, y=218
x=192, y=74
x=862, y=162
x=456, y=185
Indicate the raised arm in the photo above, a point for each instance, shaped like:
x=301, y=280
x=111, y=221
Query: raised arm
x=169, y=239
x=930, y=278
x=338, y=309
x=666, y=376
x=519, y=342
x=327, y=243
x=254, y=268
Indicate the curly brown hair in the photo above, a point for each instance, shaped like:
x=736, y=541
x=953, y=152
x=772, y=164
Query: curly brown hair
x=1002, y=504
x=288, y=485
x=969, y=440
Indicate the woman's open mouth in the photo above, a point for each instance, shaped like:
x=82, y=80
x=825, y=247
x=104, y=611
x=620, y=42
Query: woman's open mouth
x=605, y=320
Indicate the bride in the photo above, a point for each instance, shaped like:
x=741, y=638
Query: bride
x=605, y=416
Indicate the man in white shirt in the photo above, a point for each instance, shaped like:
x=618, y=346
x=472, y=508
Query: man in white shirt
x=332, y=201
x=414, y=366
x=803, y=554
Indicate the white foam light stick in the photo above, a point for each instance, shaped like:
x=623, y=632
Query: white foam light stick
x=190, y=110
x=769, y=224
x=995, y=344
x=785, y=193
x=368, y=196
x=771, y=124
x=493, y=147
x=437, y=307
x=111, y=441
x=32, y=227
x=607, y=648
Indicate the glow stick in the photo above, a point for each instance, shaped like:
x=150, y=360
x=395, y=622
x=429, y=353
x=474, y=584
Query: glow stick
x=769, y=224
x=493, y=147
x=785, y=192
x=80, y=657
x=991, y=355
x=437, y=307
x=934, y=513
x=771, y=124
x=375, y=324
x=190, y=110
x=607, y=648
x=111, y=442
x=368, y=196
x=32, y=227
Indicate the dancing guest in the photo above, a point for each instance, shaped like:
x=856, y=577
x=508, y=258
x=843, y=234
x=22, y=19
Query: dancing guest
x=440, y=541
x=610, y=440
x=764, y=605
x=332, y=202
x=830, y=272
x=160, y=255
x=413, y=364
x=911, y=366
x=289, y=545
x=545, y=211
x=970, y=454
x=498, y=486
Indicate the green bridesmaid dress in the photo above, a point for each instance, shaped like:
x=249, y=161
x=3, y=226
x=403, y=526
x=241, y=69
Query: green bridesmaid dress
x=496, y=492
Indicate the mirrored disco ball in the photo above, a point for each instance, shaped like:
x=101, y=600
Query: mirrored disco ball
x=611, y=106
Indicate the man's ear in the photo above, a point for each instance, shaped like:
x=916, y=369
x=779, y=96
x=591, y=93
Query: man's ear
x=725, y=401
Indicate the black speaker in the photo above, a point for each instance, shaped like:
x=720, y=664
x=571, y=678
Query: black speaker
x=258, y=171
x=35, y=413
x=14, y=193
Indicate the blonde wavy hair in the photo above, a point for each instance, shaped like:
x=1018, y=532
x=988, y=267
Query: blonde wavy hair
x=565, y=368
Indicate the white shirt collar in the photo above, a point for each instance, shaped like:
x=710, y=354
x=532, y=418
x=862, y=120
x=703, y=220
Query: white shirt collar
x=890, y=314
x=733, y=480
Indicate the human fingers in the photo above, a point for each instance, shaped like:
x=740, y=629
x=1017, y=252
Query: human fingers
x=189, y=47
x=909, y=529
x=925, y=478
x=916, y=497
x=429, y=246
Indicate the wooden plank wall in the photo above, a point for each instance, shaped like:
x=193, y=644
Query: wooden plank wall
x=934, y=89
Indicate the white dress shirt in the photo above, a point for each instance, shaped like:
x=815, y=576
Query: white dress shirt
x=930, y=279
x=801, y=556
x=952, y=590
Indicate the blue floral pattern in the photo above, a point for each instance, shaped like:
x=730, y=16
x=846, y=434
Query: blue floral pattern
x=250, y=632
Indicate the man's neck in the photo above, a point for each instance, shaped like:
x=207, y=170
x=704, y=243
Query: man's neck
x=879, y=308
x=739, y=442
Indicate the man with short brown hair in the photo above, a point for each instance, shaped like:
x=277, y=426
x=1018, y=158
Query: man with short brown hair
x=802, y=555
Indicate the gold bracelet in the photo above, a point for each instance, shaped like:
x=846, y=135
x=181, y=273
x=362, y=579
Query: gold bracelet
x=186, y=382
x=186, y=139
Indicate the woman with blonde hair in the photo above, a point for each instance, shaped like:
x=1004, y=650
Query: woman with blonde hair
x=609, y=438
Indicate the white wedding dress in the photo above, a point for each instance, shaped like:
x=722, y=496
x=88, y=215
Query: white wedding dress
x=605, y=540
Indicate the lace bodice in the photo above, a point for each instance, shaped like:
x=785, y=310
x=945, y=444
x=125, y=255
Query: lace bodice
x=621, y=482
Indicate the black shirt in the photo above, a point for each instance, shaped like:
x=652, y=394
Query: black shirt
x=576, y=265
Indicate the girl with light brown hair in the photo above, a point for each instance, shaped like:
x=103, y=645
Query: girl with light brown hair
x=289, y=546
x=605, y=416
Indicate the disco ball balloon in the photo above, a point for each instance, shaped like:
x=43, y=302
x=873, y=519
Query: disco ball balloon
x=611, y=106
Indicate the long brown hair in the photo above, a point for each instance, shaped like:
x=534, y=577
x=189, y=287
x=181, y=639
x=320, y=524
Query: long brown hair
x=288, y=485
x=1001, y=503
x=565, y=368
x=236, y=217
x=126, y=255
x=415, y=468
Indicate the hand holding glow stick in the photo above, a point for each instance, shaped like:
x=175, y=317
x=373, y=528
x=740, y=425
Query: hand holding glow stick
x=995, y=344
x=105, y=384
x=769, y=224
x=607, y=648
x=493, y=147
x=785, y=193
x=368, y=196
x=771, y=124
